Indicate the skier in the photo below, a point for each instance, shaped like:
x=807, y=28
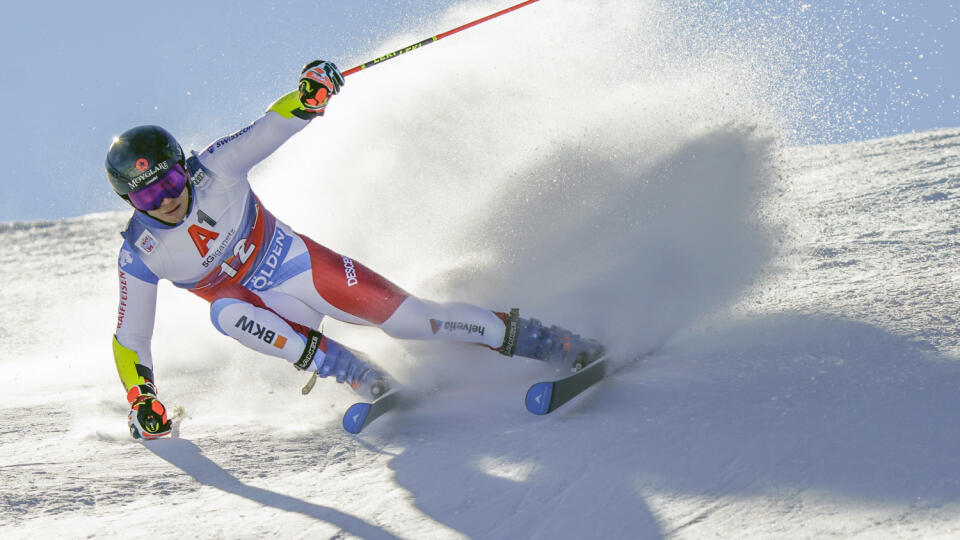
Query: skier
x=197, y=223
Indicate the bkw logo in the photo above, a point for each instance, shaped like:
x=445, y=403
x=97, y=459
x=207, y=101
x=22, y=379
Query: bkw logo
x=268, y=336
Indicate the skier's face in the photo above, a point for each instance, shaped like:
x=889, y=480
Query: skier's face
x=172, y=210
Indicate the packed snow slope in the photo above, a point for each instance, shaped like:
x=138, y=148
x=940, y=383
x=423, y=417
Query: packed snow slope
x=801, y=302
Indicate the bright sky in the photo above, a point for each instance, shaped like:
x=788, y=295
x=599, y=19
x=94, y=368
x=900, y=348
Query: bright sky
x=77, y=73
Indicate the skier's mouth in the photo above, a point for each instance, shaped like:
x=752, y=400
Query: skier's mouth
x=171, y=210
x=172, y=213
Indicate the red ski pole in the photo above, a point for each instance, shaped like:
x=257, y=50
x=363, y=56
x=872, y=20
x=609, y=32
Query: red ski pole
x=437, y=37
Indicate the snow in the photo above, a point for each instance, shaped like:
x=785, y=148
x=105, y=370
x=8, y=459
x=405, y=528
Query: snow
x=802, y=302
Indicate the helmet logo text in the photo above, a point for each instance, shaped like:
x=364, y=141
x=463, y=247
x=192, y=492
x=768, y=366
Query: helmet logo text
x=137, y=180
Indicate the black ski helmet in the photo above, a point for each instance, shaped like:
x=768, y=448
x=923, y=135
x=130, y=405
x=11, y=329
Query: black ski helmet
x=140, y=156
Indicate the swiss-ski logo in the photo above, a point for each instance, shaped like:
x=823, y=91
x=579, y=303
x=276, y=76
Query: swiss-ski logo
x=436, y=325
x=147, y=243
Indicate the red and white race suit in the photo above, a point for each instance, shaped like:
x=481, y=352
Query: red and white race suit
x=267, y=285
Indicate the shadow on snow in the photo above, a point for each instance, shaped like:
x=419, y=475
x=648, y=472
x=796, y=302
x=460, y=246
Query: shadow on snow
x=188, y=457
x=778, y=406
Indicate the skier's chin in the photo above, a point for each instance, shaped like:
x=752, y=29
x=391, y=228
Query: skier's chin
x=173, y=210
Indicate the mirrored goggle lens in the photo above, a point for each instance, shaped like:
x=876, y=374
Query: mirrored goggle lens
x=169, y=186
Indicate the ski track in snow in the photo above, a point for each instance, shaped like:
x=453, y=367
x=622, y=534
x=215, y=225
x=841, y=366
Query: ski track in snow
x=803, y=300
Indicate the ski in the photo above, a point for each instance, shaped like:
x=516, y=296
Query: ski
x=545, y=397
x=360, y=415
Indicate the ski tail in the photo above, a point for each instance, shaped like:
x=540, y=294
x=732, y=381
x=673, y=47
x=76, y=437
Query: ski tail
x=539, y=396
x=545, y=397
x=360, y=415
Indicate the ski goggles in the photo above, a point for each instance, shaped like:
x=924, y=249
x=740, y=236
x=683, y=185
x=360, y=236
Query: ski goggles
x=169, y=186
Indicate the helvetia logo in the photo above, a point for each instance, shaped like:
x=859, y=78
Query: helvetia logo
x=454, y=326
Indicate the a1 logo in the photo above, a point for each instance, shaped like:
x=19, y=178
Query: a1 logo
x=202, y=237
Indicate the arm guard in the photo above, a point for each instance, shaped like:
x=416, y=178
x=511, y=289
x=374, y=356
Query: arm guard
x=132, y=372
x=289, y=106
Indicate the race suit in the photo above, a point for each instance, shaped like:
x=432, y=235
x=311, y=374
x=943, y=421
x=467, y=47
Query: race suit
x=268, y=286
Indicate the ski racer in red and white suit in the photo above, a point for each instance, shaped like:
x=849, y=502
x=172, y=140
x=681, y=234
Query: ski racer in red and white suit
x=268, y=286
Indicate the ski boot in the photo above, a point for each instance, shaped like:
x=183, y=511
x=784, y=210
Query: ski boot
x=559, y=347
x=350, y=367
